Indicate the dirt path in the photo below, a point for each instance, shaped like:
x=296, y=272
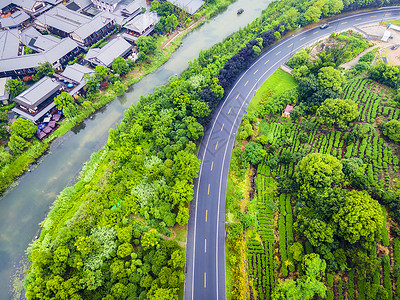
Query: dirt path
x=179, y=32
x=354, y=61
x=172, y=237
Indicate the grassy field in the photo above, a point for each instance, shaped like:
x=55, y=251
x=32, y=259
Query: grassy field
x=277, y=83
x=268, y=239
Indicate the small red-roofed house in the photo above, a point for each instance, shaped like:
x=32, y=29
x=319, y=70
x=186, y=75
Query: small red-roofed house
x=286, y=112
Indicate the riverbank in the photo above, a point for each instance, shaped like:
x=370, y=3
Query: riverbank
x=166, y=45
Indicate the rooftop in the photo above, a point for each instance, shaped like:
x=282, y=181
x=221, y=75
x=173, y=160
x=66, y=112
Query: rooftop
x=94, y=25
x=9, y=43
x=143, y=21
x=16, y=19
x=33, y=60
x=189, y=6
x=288, y=108
x=38, y=92
x=76, y=72
x=3, y=93
x=63, y=19
x=105, y=56
x=34, y=39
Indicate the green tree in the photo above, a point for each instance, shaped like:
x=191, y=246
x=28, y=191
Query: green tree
x=120, y=66
x=318, y=170
x=329, y=77
x=313, y=14
x=124, y=250
x=337, y=112
x=178, y=259
x=316, y=231
x=392, y=130
x=163, y=294
x=253, y=153
x=101, y=72
x=200, y=109
x=277, y=36
x=150, y=239
x=92, y=84
x=308, y=285
x=63, y=100
x=23, y=128
x=332, y=7
x=171, y=22
x=45, y=69
x=360, y=219
x=154, y=5
x=17, y=144
x=146, y=44
x=14, y=87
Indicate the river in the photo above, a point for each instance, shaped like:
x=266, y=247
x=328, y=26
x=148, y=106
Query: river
x=23, y=207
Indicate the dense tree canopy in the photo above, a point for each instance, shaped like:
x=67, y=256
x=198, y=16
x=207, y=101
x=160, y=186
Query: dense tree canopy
x=337, y=112
x=329, y=77
x=14, y=87
x=318, y=170
x=392, y=130
x=63, y=100
x=23, y=128
x=360, y=219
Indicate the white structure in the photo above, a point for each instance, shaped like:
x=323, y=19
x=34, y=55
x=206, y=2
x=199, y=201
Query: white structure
x=189, y=6
x=394, y=27
x=386, y=36
x=106, y=5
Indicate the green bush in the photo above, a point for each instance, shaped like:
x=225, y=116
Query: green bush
x=329, y=279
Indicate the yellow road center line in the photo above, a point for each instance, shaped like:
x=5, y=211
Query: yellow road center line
x=302, y=38
x=290, y=45
x=246, y=83
x=255, y=72
x=358, y=19
x=216, y=145
x=229, y=111
x=343, y=23
x=205, y=245
x=373, y=16
x=237, y=96
x=266, y=62
x=205, y=280
x=206, y=214
x=315, y=32
x=330, y=27
x=222, y=126
x=212, y=164
x=208, y=189
x=278, y=53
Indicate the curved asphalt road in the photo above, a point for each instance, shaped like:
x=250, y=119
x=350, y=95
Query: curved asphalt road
x=205, y=278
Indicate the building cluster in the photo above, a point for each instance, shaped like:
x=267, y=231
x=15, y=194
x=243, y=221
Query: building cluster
x=34, y=32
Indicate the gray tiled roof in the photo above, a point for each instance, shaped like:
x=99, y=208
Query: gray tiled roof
x=16, y=19
x=9, y=43
x=34, y=39
x=38, y=92
x=37, y=116
x=141, y=22
x=94, y=25
x=33, y=60
x=63, y=19
x=190, y=6
x=76, y=72
x=106, y=55
x=4, y=95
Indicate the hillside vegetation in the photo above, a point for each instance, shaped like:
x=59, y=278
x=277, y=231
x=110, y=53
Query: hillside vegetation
x=320, y=213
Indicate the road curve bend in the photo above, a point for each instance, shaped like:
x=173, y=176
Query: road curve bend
x=205, y=277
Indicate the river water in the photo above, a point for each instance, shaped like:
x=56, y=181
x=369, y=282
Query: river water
x=23, y=207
